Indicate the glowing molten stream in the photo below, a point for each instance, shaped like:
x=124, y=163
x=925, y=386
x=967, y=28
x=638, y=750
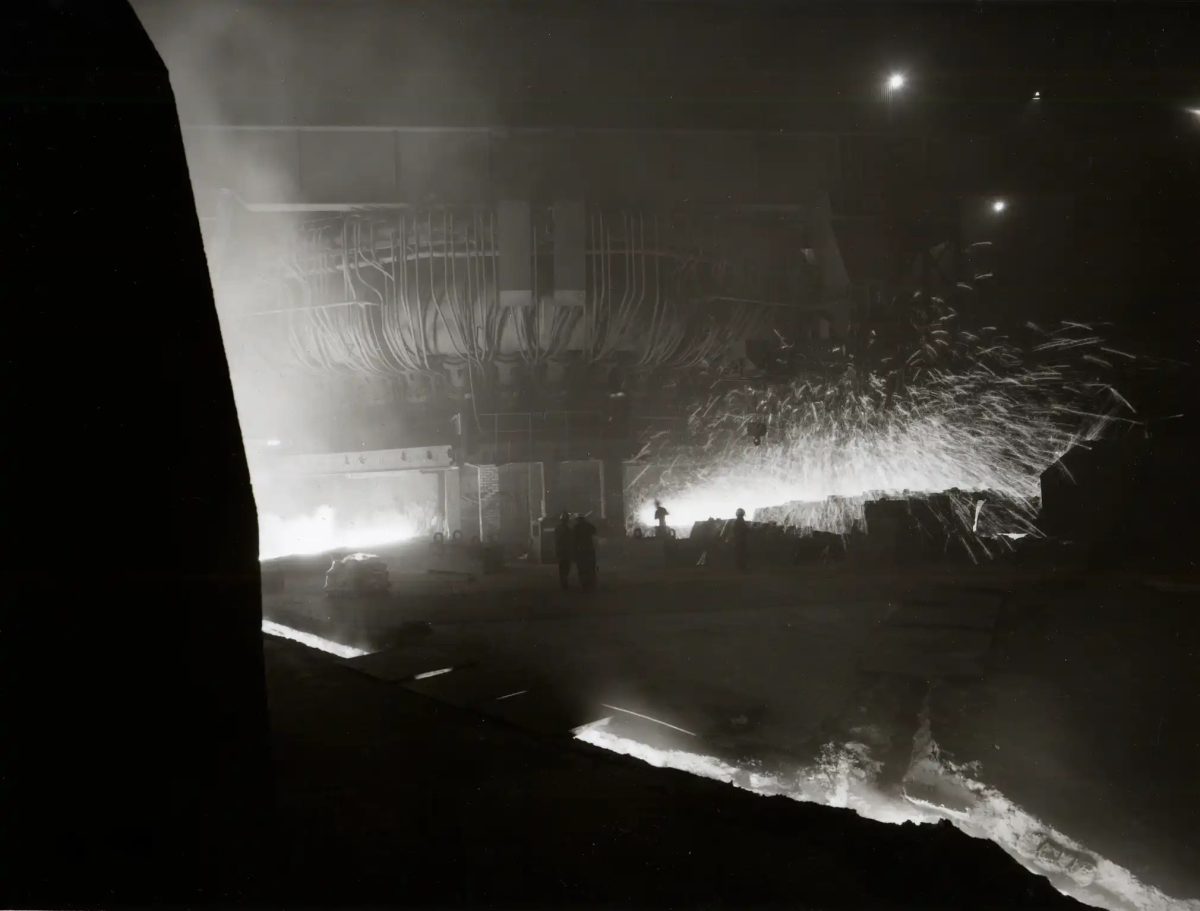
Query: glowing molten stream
x=846, y=775
x=323, y=531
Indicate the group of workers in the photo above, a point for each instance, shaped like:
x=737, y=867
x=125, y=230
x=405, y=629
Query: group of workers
x=575, y=545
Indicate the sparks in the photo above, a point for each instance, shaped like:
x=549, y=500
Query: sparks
x=962, y=414
x=646, y=718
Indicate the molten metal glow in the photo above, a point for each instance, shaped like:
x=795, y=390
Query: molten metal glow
x=437, y=673
x=322, y=531
x=846, y=776
x=271, y=628
x=964, y=411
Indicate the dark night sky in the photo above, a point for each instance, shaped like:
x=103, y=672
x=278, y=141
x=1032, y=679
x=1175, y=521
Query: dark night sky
x=717, y=64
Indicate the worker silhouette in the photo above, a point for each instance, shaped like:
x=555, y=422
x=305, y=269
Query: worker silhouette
x=741, y=532
x=660, y=516
x=563, y=548
x=584, y=552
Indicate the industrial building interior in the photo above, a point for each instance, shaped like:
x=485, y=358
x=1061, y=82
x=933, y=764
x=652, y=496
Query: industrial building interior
x=630, y=454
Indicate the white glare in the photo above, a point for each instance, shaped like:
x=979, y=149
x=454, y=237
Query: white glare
x=274, y=442
x=322, y=532
x=896, y=81
x=847, y=776
x=271, y=628
x=437, y=673
x=999, y=205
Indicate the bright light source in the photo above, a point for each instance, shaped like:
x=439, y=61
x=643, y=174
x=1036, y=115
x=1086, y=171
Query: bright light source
x=322, y=531
x=271, y=628
x=999, y=205
x=437, y=673
x=846, y=775
x=1195, y=112
x=896, y=81
x=274, y=442
x=1037, y=96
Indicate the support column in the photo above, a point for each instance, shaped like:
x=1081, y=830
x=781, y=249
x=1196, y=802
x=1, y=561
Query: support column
x=835, y=282
x=570, y=271
x=553, y=494
x=489, y=503
x=451, y=498
x=570, y=252
x=612, y=478
x=471, y=524
x=515, y=274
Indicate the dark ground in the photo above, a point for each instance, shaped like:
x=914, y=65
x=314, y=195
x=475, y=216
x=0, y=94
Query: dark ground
x=387, y=797
x=1073, y=692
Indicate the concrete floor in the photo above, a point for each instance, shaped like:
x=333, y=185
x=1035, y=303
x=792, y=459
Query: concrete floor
x=1062, y=705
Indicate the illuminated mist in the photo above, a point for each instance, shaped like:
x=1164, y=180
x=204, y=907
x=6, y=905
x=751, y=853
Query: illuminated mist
x=321, y=532
x=240, y=64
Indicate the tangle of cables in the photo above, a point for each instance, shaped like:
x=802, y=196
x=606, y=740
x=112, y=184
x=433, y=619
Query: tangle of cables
x=402, y=294
x=668, y=304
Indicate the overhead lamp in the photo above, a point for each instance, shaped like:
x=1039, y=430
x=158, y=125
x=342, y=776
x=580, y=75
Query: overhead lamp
x=999, y=205
x=896, y=81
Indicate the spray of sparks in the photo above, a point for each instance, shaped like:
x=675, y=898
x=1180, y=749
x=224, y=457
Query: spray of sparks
x=971, y=416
